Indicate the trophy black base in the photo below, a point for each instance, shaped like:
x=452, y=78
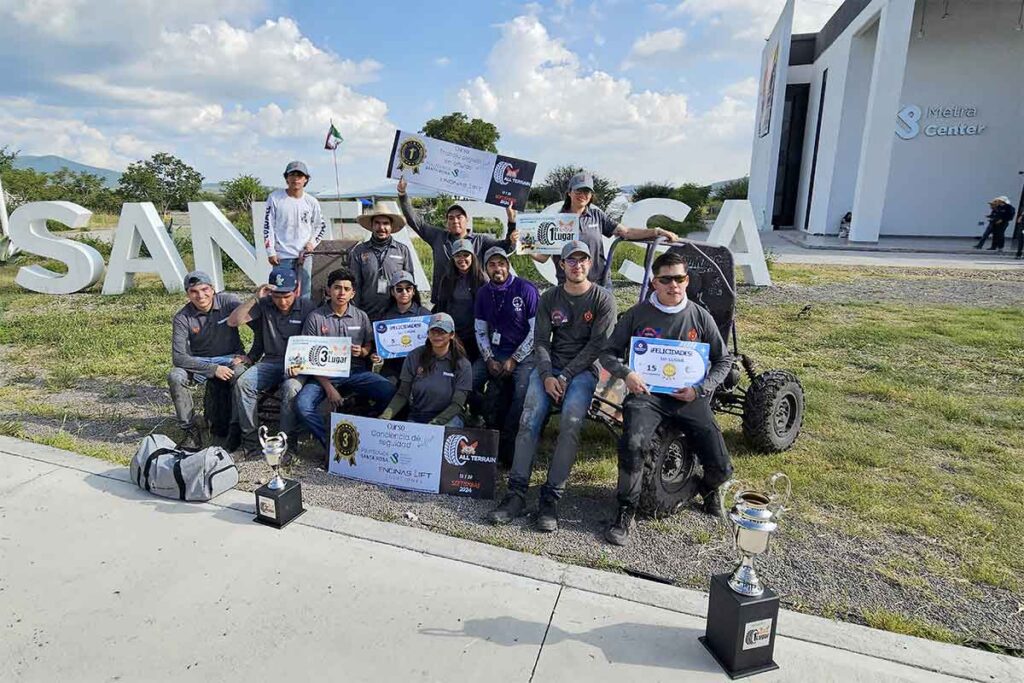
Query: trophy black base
x=740, y=632
x=279, y=507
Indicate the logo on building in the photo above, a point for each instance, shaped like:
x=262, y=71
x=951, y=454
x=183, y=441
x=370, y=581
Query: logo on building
x=937, y=121
x=908, y=117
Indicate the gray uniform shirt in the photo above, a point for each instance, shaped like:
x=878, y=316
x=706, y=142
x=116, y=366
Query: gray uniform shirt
x=432, y=392
x=354, y=323
x=273, y=328
x=372, y=270
x=572, y=330
x=693, y=323
x=593, y=224
x=197, y=335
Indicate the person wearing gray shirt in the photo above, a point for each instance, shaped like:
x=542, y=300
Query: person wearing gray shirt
x=377, y=260
x=667, y=314
x=203, y=346
x=277, y=313
x=573, y=322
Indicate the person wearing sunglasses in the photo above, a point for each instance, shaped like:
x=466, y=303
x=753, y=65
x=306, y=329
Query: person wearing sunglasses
x=667, y=314
x=573, y=322
x=436, y=378
x=595, y=223
x=405, y=302
x=276, y=313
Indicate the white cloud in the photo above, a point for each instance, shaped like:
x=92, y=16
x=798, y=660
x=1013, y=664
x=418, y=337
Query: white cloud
x=443, y=61
x=656, y=44
x=754, y=19
x=745, y=88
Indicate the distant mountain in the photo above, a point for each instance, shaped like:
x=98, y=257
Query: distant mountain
x=51, y=163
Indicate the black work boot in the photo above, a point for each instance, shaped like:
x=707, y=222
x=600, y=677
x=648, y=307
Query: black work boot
x=511, y=506
x=618, y=532
x=234, y=438
x=193, y=437
x=713, y=504
x=547, y=515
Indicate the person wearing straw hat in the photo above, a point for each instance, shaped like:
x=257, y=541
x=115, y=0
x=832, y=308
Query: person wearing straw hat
x=293, y=224
x=405, y=303
x=456, y=228
x=378, y=259
x=436, y=378
x=999, y=218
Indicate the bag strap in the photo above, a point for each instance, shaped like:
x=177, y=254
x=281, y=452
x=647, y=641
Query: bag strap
x=149, y=461
x=179, y=477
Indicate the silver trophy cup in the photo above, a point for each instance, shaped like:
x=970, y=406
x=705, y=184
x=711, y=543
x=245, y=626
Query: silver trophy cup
x=754, y=516
x=274, y=448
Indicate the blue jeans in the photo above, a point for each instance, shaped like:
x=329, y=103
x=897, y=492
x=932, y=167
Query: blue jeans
x=304, y=272
x=575, y=403
x=180, y=381
x=262, y=377
x=362, y=383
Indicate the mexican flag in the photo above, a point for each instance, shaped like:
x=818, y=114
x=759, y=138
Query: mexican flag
x=333, y=138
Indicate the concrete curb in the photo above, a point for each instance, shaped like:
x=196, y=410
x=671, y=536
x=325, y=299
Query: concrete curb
x=927, y=655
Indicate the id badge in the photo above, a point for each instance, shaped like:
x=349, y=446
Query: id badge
x=496, y=338
x=382, y=285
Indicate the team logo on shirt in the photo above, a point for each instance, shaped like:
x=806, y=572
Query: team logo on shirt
x=692, y=334
x=588, y=316
x=323, y=329
x=558, y=317
x=306, y=216
x=365, y=256
x=649, y=332
x=195, y=330
x=517, y=303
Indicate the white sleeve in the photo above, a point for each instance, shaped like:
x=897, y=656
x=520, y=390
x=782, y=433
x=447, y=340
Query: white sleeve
x=483, y=340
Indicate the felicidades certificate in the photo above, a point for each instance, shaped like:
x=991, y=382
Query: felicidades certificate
x=546, y=233
x=323, y=356
x=669, y=364
x=396, y=338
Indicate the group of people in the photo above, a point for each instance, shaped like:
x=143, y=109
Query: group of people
x=497, y=349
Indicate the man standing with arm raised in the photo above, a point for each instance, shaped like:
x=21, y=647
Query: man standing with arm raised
x=667, y=314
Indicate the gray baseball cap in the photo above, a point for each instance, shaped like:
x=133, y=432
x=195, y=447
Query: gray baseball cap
x=296, y=166
x=581, y=181
x=494, y=251
x=575, y=247
x=402, y=276
x=441, y=321
x=462, y=245
x=197, y=277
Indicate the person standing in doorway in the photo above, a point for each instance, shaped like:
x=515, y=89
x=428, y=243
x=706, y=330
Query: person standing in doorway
x=293, y=225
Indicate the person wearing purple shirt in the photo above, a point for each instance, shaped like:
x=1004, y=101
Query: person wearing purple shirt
x=505, y=314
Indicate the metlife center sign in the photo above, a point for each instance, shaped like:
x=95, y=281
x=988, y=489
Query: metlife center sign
x=941, y=121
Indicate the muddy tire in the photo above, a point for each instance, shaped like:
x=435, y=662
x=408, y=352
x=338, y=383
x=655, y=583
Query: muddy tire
x=671, y=473
x=773, y=411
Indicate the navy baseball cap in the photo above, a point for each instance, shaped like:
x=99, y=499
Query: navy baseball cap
x=197, y=277
x=283, y=280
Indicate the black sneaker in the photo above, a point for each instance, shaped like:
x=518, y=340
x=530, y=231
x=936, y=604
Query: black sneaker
x=547, y=515
x=193, y=438
x=618, y=532
x=713, y=504
x=511, y=506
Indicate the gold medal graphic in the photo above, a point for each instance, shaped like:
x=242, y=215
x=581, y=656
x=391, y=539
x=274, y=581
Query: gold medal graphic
x=669, y=370
x=406, y=340
x=346, y=442
x=411, y=154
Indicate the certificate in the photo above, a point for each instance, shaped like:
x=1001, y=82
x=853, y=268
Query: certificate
x=323, y=356
x=541, y=233
x=669, y=364
x=396, y=338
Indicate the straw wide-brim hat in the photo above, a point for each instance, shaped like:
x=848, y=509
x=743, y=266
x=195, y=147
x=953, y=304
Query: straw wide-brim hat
x=389, y=209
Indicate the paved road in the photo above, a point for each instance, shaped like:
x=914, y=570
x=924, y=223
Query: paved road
x=102, y=582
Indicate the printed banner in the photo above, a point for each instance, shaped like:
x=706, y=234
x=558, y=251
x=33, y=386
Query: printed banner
x=461, y=171
x=415, y=457
x=396, y=338
x=546, y=233
x=669, y=364
x=323, y=356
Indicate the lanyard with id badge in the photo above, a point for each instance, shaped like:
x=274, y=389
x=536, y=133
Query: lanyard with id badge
x=383, y=285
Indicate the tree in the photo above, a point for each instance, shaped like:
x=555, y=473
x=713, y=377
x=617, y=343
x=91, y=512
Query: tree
x=458, y=128
x=734, y=189
x=163, y=179
x=7, y=157
x=241, y=191
x=556, y=185
x=652, y=191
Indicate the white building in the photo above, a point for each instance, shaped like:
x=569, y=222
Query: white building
x=909, y=114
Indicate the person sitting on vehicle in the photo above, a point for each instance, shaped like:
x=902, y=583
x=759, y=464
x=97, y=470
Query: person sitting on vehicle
x=293, y=224
x=593, y=224
x=999, y=218
x=337, y=317
x=377, y=260
x=505, y=312
x=667, y=314
x=203, y=347
x=405, y=302
x=573, y=322
x=456, y=294
x=436, y=378
x=278, y=312
x=441, y=240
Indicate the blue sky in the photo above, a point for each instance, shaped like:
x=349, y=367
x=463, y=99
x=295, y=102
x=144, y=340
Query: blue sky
x=633, y=90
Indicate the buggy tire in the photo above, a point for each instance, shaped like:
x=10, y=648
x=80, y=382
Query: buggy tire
x=671, y=473
x=773, y=411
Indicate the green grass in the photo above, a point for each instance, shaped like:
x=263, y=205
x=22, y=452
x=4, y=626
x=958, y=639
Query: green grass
x=898, y=623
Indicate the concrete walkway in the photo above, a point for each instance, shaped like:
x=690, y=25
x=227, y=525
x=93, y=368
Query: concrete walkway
x=103, y=582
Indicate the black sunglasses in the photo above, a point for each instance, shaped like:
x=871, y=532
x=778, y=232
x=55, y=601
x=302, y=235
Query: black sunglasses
x=669, y=279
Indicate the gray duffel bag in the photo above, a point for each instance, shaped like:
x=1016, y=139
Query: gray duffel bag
x=162, y=468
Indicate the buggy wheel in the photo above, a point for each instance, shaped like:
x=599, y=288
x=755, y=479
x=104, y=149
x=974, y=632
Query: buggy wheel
x=773, y=411
x=671, y=473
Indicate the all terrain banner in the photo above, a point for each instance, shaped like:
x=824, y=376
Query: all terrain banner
x=461, y=171
x=415, y=457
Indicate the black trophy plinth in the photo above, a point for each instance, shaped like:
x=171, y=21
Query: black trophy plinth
x=740, y=633
x=278, y=507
